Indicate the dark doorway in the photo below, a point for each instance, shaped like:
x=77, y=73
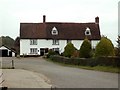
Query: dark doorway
x=42, y=51
x=46, y=50
x=10, y=53
x=4, y=53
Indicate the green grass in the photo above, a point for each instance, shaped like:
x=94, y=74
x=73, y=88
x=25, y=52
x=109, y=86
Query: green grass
x=96, y=68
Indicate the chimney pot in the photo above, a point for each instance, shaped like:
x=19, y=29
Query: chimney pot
x=97, y=20
x=44, y=18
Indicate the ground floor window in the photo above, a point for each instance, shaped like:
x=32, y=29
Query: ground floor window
x=56, y=50
x=33, y=51
x=43, y=51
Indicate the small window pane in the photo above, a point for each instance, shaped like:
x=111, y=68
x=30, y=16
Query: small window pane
x=33, y=51
x=55, y=42
x=33, y=42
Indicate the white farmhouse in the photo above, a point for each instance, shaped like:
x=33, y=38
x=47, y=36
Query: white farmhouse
x=38, y=38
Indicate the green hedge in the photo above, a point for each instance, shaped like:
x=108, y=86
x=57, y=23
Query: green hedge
x=102, y=61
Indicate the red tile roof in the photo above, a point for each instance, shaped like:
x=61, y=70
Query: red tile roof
x=73, y=31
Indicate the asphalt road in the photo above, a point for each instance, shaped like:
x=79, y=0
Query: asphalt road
x=67, y=77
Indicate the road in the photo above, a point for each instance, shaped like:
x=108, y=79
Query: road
x=67, y=77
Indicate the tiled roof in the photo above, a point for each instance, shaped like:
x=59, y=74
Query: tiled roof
x=74, y=31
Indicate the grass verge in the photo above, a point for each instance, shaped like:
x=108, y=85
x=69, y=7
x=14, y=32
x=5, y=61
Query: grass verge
x=96, y=68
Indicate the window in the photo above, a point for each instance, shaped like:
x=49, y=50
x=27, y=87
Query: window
x=56, y=50
x=33, y=42
x=87, y=32
x=68, y=41
x=54, y=31
x=55, y=42
x=33, y=51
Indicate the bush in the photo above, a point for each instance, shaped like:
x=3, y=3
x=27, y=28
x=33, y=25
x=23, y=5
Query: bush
x=68, y=50
x=85, y=49
x=101, y=61
x=104, y=48
x=75, y=54
x=51, y=52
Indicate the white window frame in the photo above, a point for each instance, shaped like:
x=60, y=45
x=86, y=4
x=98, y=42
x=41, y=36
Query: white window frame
x=56, y=49
x=33, y=41
x=33, y=51
x=87, y=31
x=54, y=31
x=55, y=42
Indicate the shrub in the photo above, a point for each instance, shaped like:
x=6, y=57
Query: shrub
x=50, y=53
x=101, y=61
x=68, y=50
x=85, y=49
x=75, y=54
x=104, y=48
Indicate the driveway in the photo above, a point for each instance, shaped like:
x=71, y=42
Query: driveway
x=67, y=77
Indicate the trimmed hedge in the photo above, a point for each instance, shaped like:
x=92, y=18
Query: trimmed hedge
x=101, y=61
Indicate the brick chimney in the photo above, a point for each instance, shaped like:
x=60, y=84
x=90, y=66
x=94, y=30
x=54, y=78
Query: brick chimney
x=97, y=20
x=44, y=18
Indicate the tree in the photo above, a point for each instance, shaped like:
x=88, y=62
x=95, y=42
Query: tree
x=85, y=49
x=69, y=50
x=104, y=48
x=17, y=45
x=6, y=40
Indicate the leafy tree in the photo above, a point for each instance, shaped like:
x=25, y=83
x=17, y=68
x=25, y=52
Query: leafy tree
x=69, y=50
x=85, y=49
x=104, y=48
x=6, y=40
x=17, y=45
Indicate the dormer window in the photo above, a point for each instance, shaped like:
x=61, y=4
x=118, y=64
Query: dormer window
x=87, y=31
x=54, y=31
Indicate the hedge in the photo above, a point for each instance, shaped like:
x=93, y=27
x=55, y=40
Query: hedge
x=101, y=61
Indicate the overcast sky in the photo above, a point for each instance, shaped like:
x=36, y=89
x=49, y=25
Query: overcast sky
x=12, y=12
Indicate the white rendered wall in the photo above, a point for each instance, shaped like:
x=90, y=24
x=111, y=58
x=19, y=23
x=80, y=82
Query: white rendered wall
x=94, y=43
x=43, y=43
x=77, y=43
x=13, y=54
x=24, y=46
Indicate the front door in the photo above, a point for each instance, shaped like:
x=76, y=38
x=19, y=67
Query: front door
x=42, y=51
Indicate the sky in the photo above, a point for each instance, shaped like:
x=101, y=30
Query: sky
x=14, y=12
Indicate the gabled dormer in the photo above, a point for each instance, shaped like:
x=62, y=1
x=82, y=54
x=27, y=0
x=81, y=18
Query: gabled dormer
x=87, y=31
x=54, y=31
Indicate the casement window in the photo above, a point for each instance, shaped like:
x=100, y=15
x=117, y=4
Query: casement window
x=68, y=41
x=55, y=42
x=33, y=51
x=54, y=31
x=33, y=42
x=56, y=50
x=87, y=31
